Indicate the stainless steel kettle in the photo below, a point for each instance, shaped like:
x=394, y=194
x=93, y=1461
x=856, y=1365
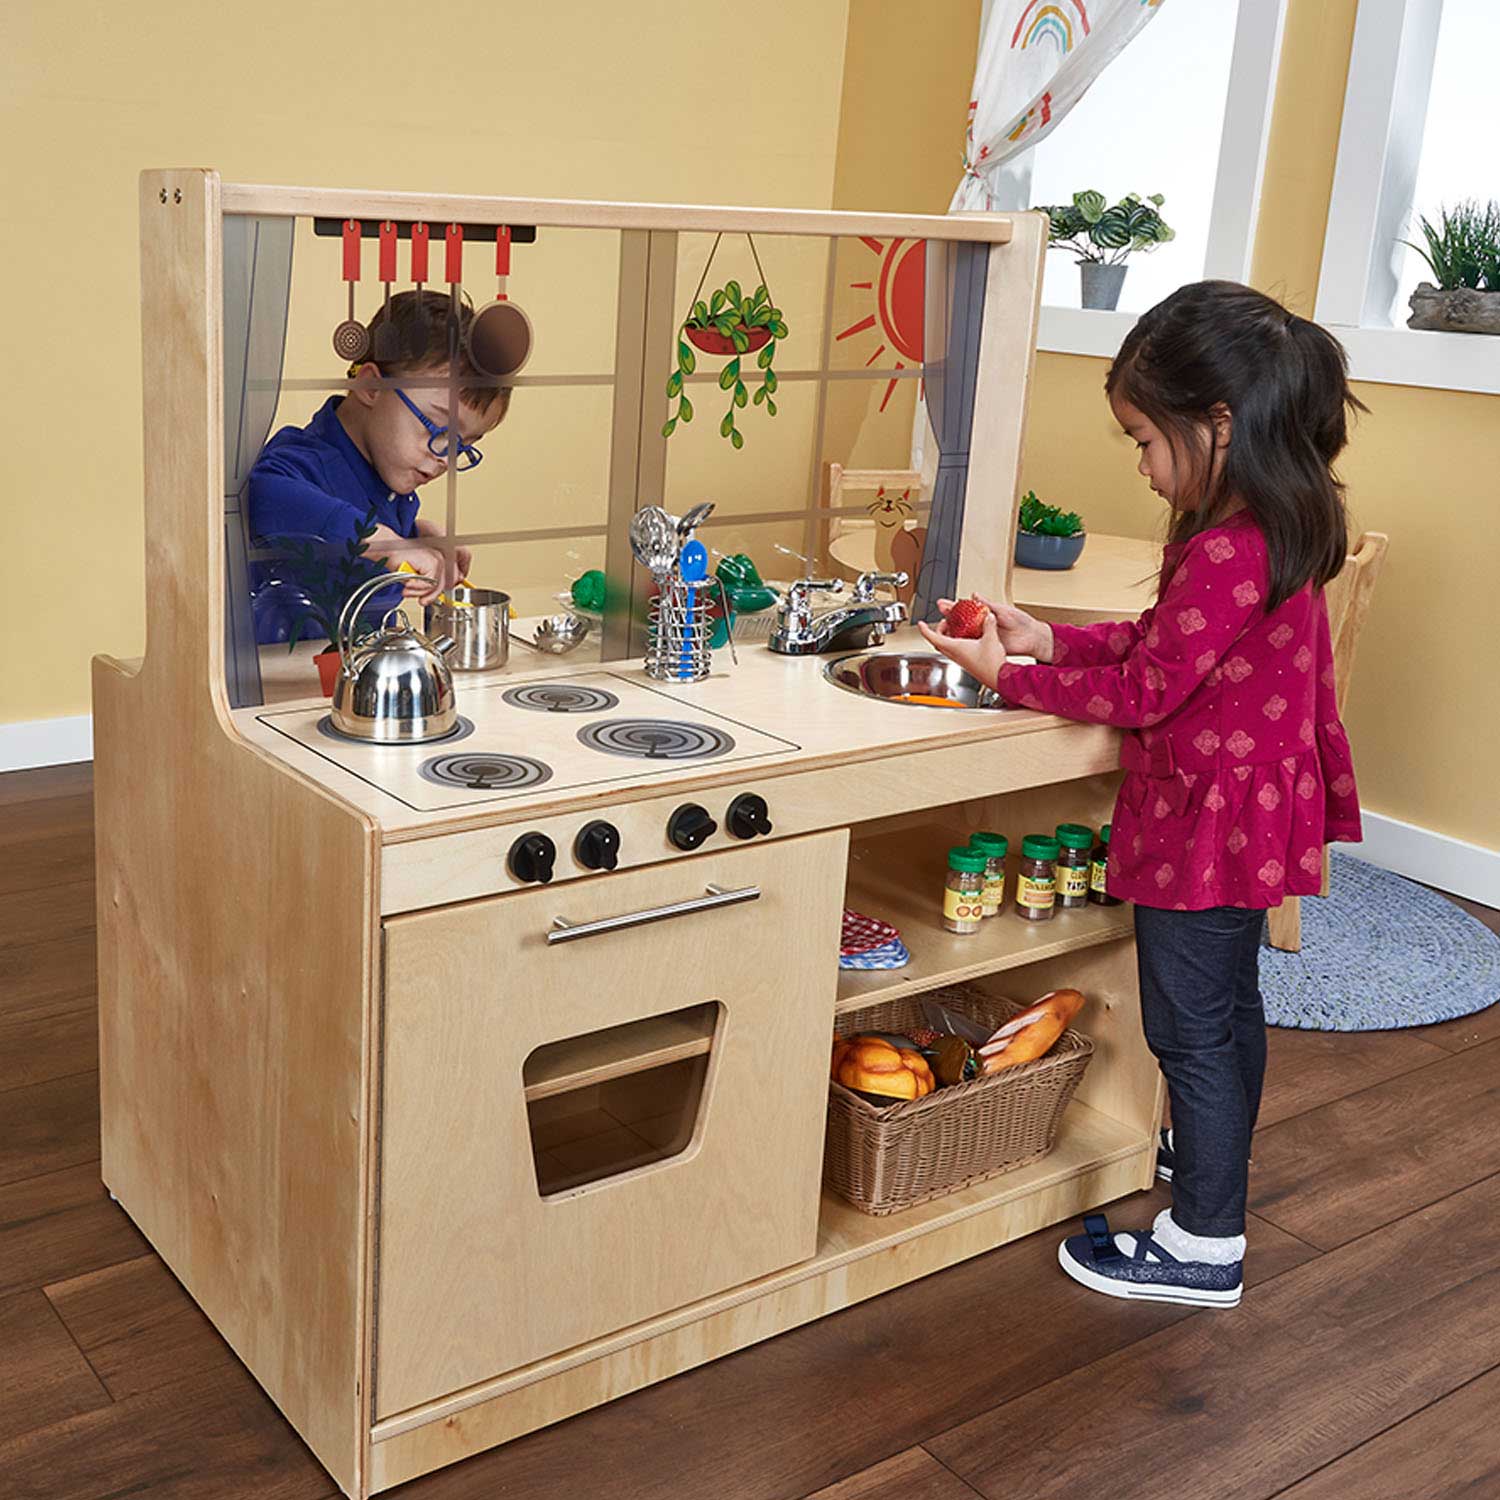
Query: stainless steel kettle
x=394, y=687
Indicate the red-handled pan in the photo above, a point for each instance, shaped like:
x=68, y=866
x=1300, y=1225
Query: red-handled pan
x=416, y=336
x=500, y=335
x=386, y=342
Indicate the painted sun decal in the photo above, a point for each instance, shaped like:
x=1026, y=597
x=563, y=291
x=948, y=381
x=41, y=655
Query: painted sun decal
x=1061, y=24
x=899, y=303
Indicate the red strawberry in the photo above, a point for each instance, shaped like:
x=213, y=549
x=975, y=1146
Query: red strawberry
x=966, y=619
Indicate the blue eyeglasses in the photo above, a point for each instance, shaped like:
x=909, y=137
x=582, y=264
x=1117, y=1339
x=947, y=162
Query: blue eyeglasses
x=439, y=439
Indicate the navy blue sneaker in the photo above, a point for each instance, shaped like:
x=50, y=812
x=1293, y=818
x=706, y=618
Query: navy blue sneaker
x=1094, y=1260
x=1166, y=1161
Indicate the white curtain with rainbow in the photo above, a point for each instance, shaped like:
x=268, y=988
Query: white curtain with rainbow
x=1036, y=61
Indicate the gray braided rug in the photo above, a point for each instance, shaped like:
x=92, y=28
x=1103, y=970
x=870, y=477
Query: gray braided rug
x=1378, y=953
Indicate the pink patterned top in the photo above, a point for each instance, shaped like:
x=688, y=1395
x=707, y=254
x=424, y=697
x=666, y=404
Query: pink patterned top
x=1238, y=768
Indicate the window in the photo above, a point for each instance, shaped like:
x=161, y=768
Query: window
x=1420, y=119
x=1183, y=112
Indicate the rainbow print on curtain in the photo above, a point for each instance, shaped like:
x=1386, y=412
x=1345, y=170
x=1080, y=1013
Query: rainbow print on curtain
x=1037, y=59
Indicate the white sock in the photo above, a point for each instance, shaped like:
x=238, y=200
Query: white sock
x=1214, y=1250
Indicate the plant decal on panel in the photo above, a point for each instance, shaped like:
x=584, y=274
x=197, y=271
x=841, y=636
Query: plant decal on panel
x=734, y=323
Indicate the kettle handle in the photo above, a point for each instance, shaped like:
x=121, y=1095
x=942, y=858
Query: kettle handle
x=358, y=597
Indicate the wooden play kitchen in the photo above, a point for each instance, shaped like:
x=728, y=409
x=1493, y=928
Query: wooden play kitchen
x=356, y=997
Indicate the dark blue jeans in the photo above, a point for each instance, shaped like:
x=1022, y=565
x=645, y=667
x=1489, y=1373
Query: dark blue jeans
x=1203, y=1018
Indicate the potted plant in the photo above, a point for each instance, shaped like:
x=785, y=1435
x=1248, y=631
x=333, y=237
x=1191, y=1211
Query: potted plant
x=1048, y=537
x=325, y=574
x=1102, y=237
x=729, y=323
x=1463, y=251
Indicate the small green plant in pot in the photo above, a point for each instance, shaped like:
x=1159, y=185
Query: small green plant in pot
x=1103, y=235
x=729, y=323
x=1463, y=252
x=1047, y=536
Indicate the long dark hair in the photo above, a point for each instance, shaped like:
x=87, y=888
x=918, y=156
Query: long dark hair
x=1285, y=382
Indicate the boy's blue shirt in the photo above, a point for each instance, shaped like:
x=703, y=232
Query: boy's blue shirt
x=312, y=482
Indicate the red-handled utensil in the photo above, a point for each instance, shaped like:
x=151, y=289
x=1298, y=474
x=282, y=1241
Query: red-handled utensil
x=351, y=339
x=500, y=334
x=416, y=345
x=387, y=341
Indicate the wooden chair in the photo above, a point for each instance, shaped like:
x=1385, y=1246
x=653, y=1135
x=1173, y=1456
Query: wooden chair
x=1348, y=598
x=888, y=538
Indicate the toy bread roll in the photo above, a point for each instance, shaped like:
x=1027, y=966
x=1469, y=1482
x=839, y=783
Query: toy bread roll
x=1026, y=1037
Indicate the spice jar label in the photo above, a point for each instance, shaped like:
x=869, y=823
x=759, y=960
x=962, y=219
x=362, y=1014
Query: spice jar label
x=1073, y=881
x=1096, y=875
x=963, y=906
x=994, y=892
x=1038, y=893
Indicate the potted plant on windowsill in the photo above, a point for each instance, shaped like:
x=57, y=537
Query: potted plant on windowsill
x=1463, y=251
x=735, y=324
x=1102, y=237
x=1048, y=537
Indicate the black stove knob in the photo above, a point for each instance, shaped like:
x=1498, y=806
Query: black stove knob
x=597, y=846
x=532, y=857
x=690, y=825
x=747, y=816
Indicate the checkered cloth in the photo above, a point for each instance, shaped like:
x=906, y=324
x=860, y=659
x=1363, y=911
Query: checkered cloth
x=861, y=933
x=868, y=943
x=887, y=956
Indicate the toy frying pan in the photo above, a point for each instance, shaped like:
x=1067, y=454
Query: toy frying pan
x=351, y=339
x=500, y=334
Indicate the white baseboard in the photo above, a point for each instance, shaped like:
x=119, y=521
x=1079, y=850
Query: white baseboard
x=46, y=742
x=1449, y=864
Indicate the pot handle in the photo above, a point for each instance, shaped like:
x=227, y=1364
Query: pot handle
x=358, y=597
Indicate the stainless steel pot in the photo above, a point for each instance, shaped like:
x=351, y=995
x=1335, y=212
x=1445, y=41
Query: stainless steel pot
x=394, y=687
x=479, y=622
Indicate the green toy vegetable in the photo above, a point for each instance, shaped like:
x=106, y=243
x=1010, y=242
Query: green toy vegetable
x=588, y=590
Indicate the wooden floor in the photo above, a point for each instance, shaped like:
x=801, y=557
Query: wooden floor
x=1364, y=1363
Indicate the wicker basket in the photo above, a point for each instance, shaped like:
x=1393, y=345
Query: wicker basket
x=885, y=1160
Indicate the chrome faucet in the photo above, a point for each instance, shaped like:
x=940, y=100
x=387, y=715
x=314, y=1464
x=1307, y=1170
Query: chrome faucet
x=862, y=622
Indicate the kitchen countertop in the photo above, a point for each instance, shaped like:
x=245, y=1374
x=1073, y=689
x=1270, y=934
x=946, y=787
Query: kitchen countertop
x=784, y=715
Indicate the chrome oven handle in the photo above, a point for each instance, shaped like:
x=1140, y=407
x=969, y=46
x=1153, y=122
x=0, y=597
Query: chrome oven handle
x=566, y=932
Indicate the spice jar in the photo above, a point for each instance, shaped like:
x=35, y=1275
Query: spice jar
x=1098, y=869
x=963, y=898
x=1074, y=841
x=994, y=847
x=1036, y=883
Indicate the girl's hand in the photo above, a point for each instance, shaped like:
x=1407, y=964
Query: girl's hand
x=1021, y=634
x=981, y=659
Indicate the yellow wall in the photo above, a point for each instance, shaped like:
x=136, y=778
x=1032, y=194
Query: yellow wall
x=713, y=102
x=1424, y=704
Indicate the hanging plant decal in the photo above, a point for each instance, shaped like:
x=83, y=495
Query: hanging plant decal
x=734, y=324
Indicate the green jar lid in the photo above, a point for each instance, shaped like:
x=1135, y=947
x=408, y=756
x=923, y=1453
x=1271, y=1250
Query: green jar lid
x=970, y=860
x=991, y=845
x=1039, y=846
x=1104, y=834
x=1075, y=836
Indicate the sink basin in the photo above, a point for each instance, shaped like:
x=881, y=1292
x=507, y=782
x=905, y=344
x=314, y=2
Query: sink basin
x=917, y=679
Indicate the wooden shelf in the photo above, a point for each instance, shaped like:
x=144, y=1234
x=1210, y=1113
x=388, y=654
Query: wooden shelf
x=898, y=877
x=617, y=1051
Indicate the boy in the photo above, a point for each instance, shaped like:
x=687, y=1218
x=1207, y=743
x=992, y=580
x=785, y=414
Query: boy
x=370, y=451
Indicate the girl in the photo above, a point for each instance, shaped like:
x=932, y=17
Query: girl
x=1237, y=767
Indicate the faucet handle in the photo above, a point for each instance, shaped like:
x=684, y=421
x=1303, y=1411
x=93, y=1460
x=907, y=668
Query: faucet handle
x=866, y=584
x=802, y=587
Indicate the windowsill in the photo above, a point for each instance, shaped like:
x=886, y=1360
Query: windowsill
x=1385, y=356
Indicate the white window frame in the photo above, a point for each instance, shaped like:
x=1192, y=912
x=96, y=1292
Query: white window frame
x=1380, y=149
x=1237, y=184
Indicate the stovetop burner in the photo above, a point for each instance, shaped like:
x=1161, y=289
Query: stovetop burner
x=656, y=739
x=559, y=698
x=460, y=731
x=482, y=771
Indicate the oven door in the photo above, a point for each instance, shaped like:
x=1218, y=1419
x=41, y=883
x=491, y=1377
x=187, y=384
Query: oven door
x=579, y=1134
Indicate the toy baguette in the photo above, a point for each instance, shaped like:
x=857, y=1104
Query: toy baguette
x=1025, y=1037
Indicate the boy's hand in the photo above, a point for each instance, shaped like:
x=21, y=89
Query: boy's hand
x=1021, y=634
x=981, y=659
x=428, y=581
